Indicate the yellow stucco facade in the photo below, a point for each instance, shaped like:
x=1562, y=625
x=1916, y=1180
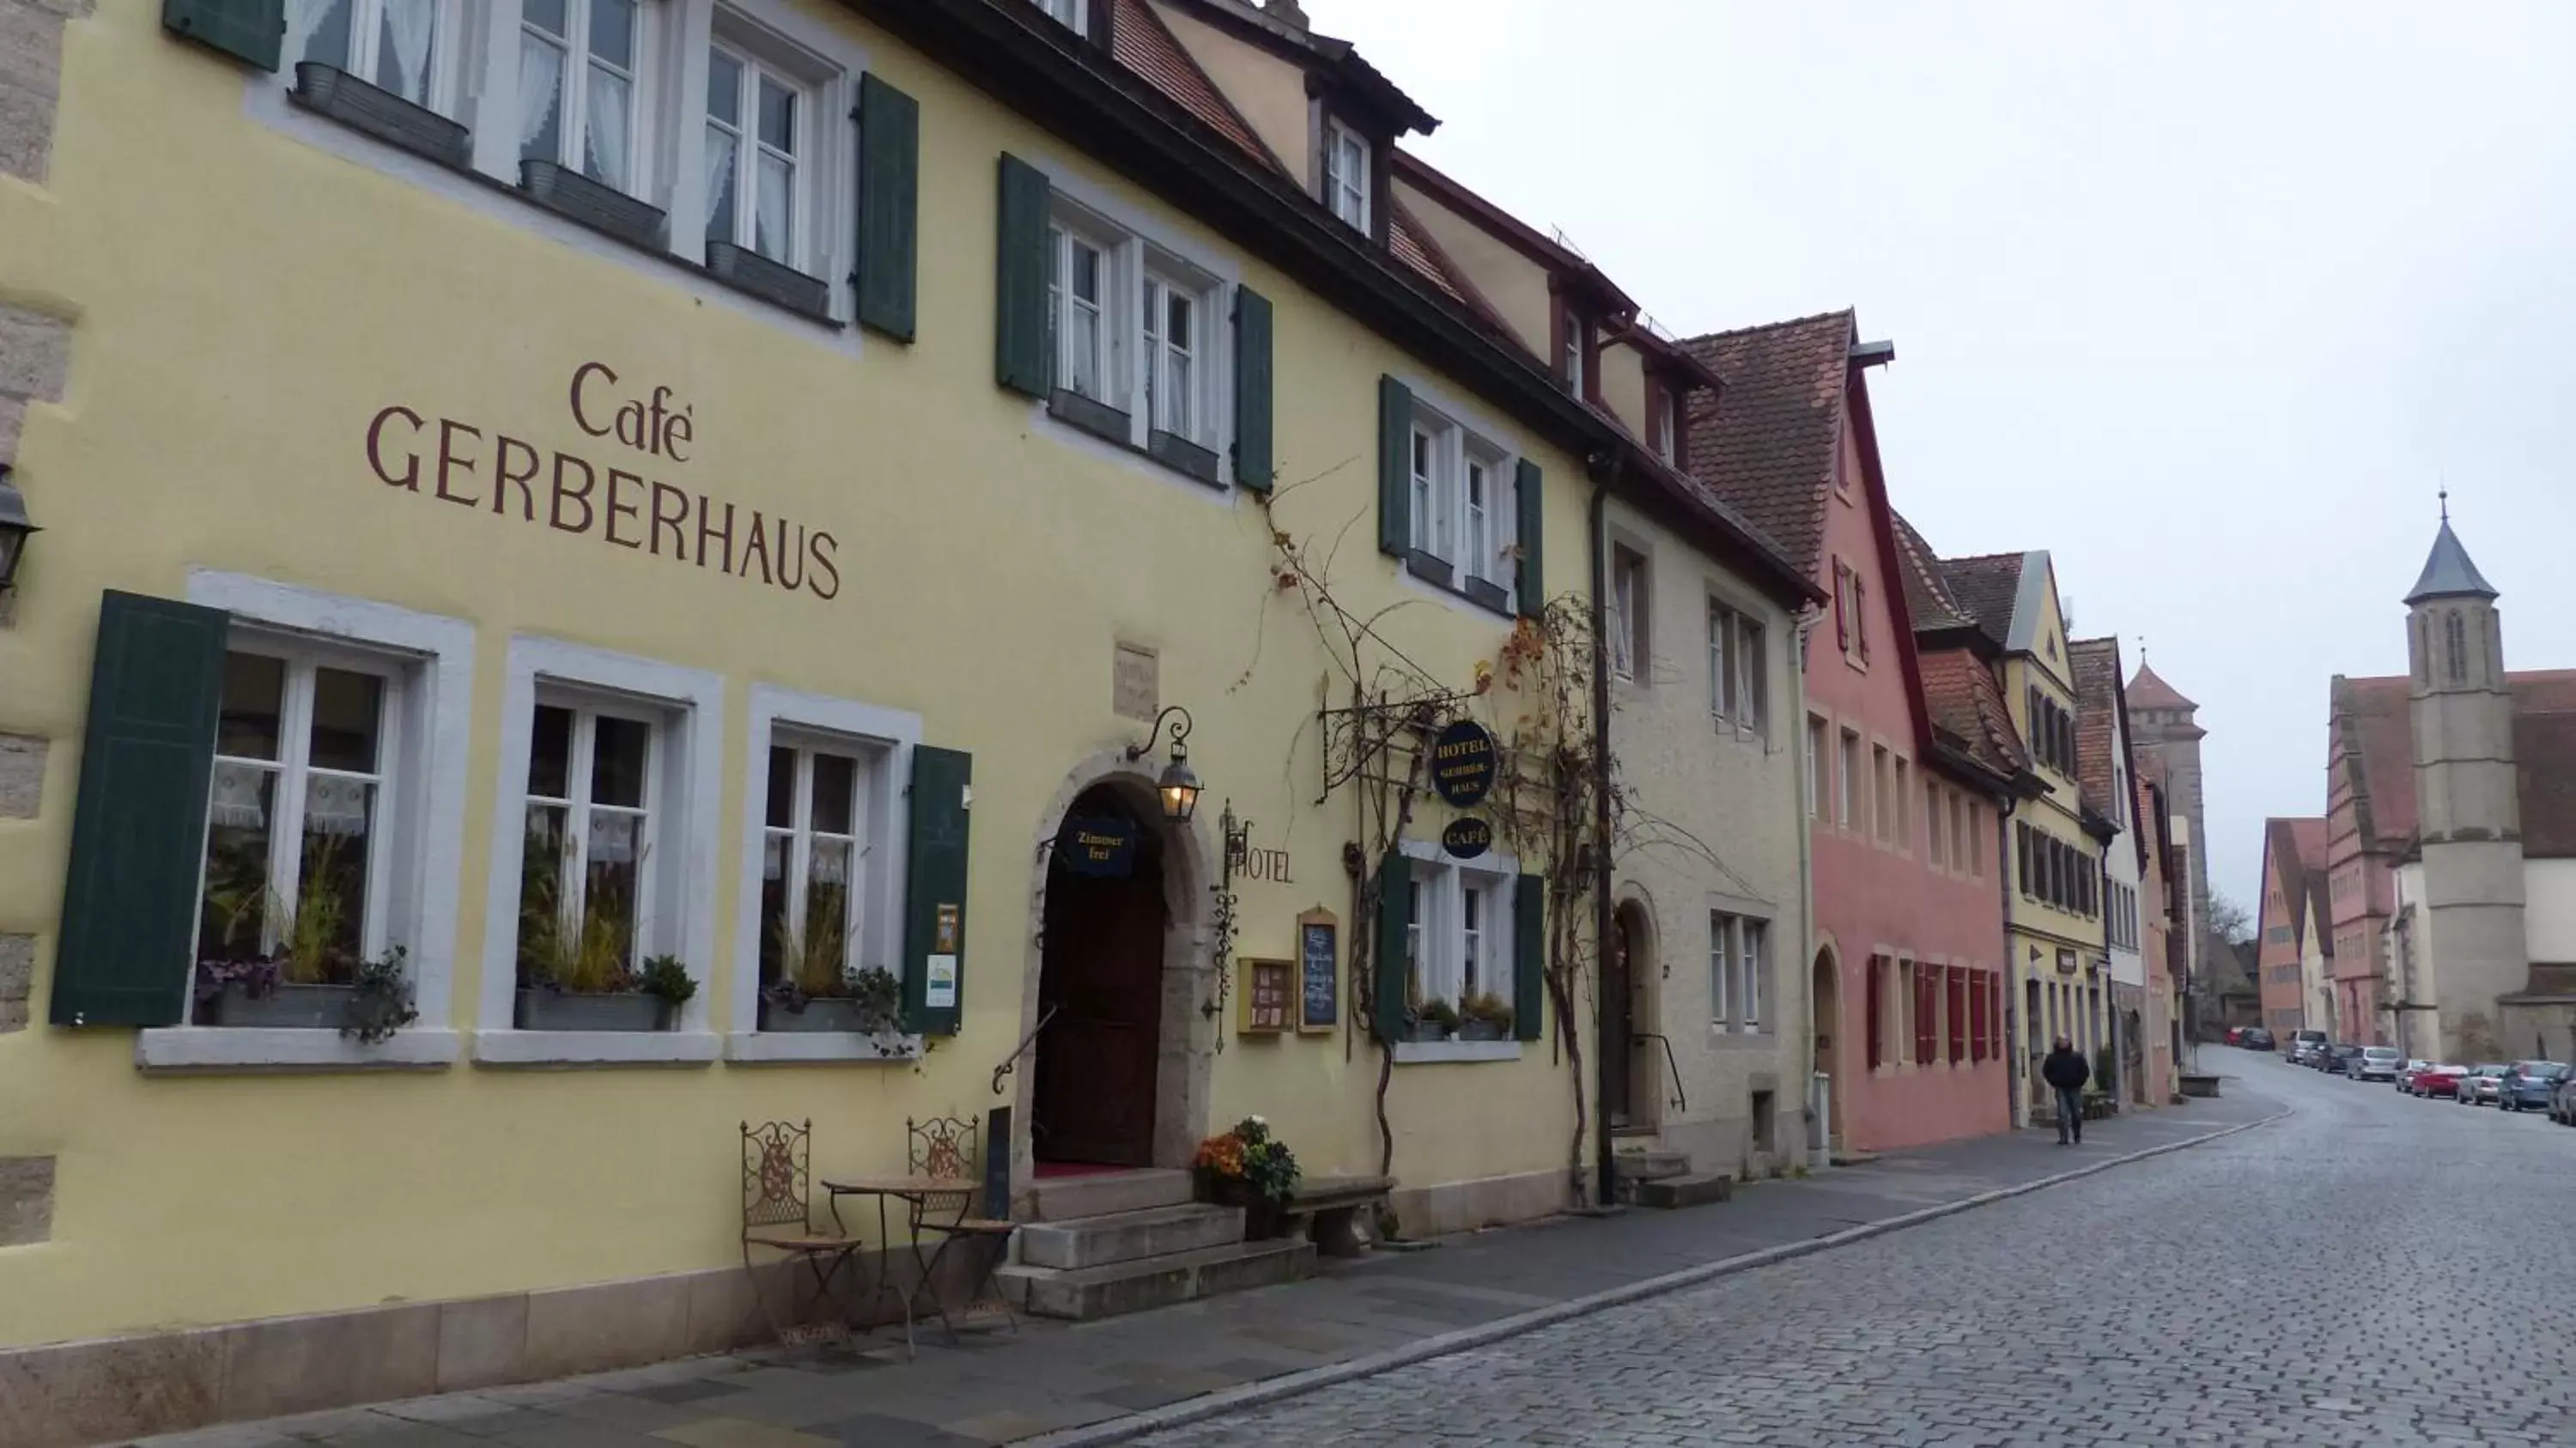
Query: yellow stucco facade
x=248, y=290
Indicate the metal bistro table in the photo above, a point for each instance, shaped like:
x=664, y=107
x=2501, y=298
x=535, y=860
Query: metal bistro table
x=916, y=1192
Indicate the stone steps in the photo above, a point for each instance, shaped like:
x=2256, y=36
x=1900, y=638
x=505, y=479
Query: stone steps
x=1083, y=1293
x=1686, y=1191
x=1128, y=1236
x=1649, y=1165
x=1057, y=1199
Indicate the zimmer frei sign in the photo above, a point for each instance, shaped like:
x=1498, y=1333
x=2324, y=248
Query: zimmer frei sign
x=602, y=489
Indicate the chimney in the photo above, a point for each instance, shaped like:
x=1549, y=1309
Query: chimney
x=1286, y=12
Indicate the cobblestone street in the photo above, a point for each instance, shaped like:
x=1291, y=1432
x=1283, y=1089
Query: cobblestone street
x=2329, y=1279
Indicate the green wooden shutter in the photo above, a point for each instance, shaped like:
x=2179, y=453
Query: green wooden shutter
x=1022, y=358
x=934, y=913
x=889, y=206
x=1394, y=921
x=139, y=832
x=1252, y=461
x=1529, y=957
x=252, y=30
x=1394, y=467
x=1529, y=496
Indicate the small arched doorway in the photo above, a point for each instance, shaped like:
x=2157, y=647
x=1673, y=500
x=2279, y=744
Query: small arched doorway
x=1631, y=954
x=1828, y=998
x=1100, y=992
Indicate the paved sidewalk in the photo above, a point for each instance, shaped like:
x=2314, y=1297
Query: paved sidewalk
x=999, y=1387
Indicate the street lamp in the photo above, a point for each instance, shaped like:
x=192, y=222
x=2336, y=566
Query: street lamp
x=14, y=529
x=1179, y=784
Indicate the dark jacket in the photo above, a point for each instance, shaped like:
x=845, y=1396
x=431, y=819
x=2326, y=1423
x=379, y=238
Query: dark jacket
x=2065, y=1070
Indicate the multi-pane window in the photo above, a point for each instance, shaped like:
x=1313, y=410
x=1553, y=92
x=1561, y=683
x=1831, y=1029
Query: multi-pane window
x=1462, y=500
x=755, y=144
x=1346, y=175
x=811, y=904
x=578, y=63
x=584, y=885
x=397, y=44
x=1882, y=793
x=1927, y=1014
x=297, y=838
x=1482, y=558
x=1427, y=512
x=1964, y=852
x=1904, y=797
x=1817, y=767
x=1627, y=612
x=1738, y=677
x=1172, y=350
x=1575, y=350
x=1458, y=932
x=1738, y=962
x=1847, y=779
x=1663, y=428
x=1078, y=284
x=1938, y=827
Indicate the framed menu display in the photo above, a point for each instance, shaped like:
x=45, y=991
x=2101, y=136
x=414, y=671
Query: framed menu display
x=1319, y=971
x=1267, y=991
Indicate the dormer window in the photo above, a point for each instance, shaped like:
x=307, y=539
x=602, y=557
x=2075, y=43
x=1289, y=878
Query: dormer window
x=1662, y=428
x=1572, y=322
x=1346, y=175
x=1073, y=15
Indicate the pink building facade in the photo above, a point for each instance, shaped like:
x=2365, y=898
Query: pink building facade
x=1909, y=963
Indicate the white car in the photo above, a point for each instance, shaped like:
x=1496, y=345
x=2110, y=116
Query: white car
x=2375, y=1063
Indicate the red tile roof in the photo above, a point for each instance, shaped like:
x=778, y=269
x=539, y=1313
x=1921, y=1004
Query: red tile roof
x=1927, y=594
x=2147, y=691
x=1965, y=703
x=1986, y=586
x=2295, y=847
x=1142, y=43
x=2544, y=751
x=1767, y=442
x=2096, y=664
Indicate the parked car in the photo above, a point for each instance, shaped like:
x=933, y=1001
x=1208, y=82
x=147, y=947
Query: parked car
x=2340, y=1058
x=2375, y=1063
x=2257, y=1039
x=2236, y=1035
x=2406, y=1075
x=2441, y=1079
x=2562, y=1102
x=2530, y=1085
x=2304, y=1045
x=2478, y=1088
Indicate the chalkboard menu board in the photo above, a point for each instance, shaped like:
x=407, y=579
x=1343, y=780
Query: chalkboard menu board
x=1319, y=971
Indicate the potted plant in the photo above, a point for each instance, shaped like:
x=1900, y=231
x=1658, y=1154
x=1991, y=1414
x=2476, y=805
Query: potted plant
x=306, y=979
x=1435, y=1021
x=815, y=989
x=380, y=1000
x=573, y=970
x=1248, y=1167
x=1485, y=1017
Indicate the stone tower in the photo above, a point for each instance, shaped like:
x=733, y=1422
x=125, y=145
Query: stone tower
x=2166, y=724
x=2467, y=802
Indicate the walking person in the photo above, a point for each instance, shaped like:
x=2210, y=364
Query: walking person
x=2066, y=1072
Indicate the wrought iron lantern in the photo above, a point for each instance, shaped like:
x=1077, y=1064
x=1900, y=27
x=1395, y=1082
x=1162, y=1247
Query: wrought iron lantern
x=1179, y=784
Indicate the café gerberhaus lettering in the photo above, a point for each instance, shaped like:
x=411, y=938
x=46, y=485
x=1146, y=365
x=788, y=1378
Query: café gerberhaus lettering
x=588, y=495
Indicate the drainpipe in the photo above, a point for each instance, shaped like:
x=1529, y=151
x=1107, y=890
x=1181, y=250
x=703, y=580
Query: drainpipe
x=1603, y=1166
x=2016, y=1000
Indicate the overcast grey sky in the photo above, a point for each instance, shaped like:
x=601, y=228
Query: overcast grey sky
x=2204, y=298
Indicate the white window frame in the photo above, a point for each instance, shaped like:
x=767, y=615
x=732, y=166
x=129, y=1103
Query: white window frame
x=1572, y=321
x=1721, y=969
x=1739, y=663
x=643, y=82
x=1664, y=426
x=588, y=709
x=686, y=784
x=1073, y=15
x=1345, y=196
x=1437, y=940
x=1847, y=762
x=1739, y=950
x=423, y=757
x=1819, y=769
x=1483, y=527
x=759, y=63
x=1753, y=960
x=1443, y=523
x=1631, y=592
x=1160, y=355
x=886, y=738
x=1141, y=259
x=1936, y=832
x=450, y=48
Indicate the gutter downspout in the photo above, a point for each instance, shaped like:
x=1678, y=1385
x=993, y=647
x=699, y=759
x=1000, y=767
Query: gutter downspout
x=1599, y=532
x=1819, y=1158
x=2016, y=1108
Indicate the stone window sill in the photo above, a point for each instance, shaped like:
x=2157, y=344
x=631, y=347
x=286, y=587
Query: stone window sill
x=1416, y=1053
x=596, y=1048
x=1108, y=424
x=791, y=1047
x=1438, y=575
x=173, y=1050
x=1729, y=1038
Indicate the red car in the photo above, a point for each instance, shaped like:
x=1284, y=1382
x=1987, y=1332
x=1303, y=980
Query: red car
x=2236, y=1035
x=2437, y=1081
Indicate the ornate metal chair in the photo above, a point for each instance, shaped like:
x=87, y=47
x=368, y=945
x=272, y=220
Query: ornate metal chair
x=942, y=1150
x=777, y=1217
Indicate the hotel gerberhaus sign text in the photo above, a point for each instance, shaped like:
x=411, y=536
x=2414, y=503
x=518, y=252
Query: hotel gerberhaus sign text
x=601, y=490
x=1462, y=763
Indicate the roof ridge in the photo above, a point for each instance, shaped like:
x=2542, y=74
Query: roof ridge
x=1758, y=327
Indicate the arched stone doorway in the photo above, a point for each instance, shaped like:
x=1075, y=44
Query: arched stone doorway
x=1632, y=1066
x=1829, y=1019
x=1100, y=989
x=1111, y=954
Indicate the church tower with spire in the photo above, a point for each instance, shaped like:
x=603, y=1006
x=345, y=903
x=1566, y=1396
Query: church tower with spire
x=2467, y=803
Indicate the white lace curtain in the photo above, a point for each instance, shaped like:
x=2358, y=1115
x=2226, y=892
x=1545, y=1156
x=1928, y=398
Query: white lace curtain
x=612, y=837
x=720, y=156
x=237, y=802
x=607, y=141
x=540, y=84
x=408, y=25
x=335, y=806
x=303, y=21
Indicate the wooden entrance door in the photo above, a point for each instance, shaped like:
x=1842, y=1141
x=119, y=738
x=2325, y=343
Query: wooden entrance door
x=1619, y=1024
x=1102, y=975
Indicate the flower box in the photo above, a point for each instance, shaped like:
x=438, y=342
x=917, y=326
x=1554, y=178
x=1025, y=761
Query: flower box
x=563, y=1010
x=1431, y=1031
x=601, y=208
x=821, y=1015
x=297, y=1007
x=1262, y=1218
x=1483, y=1031
x=330, y=91
x=749, y=271
x=1181, y=455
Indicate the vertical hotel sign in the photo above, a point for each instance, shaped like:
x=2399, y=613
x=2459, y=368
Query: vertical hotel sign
x=600, y=489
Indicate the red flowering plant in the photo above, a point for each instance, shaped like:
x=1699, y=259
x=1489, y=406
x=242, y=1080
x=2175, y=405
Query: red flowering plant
x=1251, y=1155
